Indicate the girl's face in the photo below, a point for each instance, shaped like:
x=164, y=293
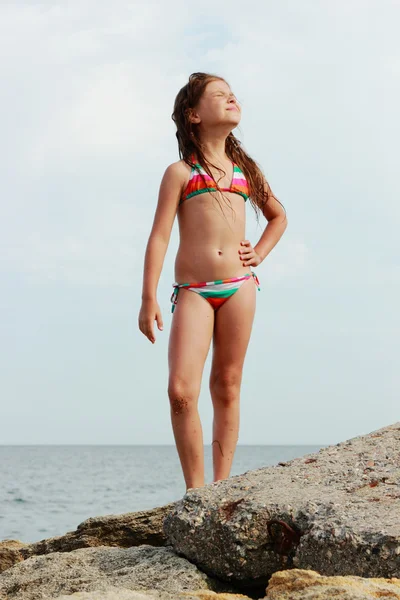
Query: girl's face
x=217, y=106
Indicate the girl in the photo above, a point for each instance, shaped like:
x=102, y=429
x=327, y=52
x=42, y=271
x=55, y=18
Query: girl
x=214, y=295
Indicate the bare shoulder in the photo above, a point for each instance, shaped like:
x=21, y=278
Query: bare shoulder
x=178, y=172
x=179, y=169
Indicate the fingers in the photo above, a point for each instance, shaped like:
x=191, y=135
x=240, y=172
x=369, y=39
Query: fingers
x=252, y=261
x=147, y=329
x=247, y=253
x=150, y=334
x=150, y=312
x=246, y=249
x=159, y=320
x=248, y=261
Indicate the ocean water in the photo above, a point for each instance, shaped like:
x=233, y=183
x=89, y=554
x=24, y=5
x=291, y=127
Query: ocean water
x=46, y=491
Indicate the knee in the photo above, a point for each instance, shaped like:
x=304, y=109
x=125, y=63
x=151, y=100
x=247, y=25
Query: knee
x=181, y=395
x=225, y=385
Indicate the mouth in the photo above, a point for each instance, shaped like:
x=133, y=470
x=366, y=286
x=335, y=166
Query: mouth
x=232, y=108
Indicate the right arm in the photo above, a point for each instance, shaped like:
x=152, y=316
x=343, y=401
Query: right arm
x=171, y=188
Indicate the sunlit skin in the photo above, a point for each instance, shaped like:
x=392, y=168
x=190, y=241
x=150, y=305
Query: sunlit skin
x=212, y=243
x=212, y=246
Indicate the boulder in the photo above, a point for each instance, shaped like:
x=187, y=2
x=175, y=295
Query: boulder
x=99, y=569
x=121, y=594
x=124, y=531
x=111, y=594
x=333, y=513
x=336, y=511
x=298, y=584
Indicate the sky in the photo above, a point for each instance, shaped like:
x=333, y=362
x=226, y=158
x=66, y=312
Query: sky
x=86, y=135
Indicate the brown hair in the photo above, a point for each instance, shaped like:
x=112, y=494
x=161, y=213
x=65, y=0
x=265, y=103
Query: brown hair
x=189, y=142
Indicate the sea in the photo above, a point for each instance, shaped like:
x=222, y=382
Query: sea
x=47, y=490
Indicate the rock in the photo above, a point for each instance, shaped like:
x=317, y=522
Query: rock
x=298, y=584
x=10, y=553
x=333, y=511
x=125, y=531
x=99, y=569
x=121, y=594
x=112, y=594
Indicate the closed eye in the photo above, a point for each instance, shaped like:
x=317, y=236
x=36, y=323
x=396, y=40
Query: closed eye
x=224, y=94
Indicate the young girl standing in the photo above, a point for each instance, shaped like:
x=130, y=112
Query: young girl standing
x=214, y=294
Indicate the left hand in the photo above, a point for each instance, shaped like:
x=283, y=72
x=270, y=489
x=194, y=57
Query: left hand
x=248, y=255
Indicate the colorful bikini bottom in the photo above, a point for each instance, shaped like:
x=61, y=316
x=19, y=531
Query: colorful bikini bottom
x=215, y=292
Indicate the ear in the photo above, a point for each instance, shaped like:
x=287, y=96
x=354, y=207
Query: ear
x=193, y=116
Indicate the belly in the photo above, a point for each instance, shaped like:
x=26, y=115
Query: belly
x=208, y=263
x=210, y=241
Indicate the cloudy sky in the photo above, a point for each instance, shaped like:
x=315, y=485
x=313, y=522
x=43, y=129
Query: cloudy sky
x=87, y=90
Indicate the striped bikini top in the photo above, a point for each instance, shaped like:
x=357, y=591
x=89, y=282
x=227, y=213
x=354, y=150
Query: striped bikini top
x=200, y=182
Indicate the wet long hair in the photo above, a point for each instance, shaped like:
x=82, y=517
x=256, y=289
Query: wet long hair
x=189, y=142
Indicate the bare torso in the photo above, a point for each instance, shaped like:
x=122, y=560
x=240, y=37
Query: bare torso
x=210, y=235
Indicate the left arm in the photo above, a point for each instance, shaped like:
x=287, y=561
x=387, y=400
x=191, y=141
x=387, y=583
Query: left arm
x=271, y=235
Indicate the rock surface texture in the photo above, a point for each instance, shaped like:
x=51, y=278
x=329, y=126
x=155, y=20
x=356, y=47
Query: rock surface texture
x=297, y=584
x=10, y=553
x=99, y=569
x=120, y=594
x=124, y=531
x=336, y=511
x=333, y=513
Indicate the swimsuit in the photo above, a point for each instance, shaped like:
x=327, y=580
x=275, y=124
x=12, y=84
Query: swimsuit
x=200, y=183
x=215, y=292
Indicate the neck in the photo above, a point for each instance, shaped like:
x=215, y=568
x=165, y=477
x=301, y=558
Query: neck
x=214, y=146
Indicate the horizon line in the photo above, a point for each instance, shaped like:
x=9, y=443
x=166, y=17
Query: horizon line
x=160, y=445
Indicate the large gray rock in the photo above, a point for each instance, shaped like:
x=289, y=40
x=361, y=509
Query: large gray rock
x=111, y=594
x=292, y=584
x=121, y=594
x=124, y=531
x=336, y=511
x=99, y=569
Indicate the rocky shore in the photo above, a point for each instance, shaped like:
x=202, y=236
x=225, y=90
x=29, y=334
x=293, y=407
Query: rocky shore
x=319, y=526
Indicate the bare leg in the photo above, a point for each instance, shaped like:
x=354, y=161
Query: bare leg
x=189, y=343
x=232, y=329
